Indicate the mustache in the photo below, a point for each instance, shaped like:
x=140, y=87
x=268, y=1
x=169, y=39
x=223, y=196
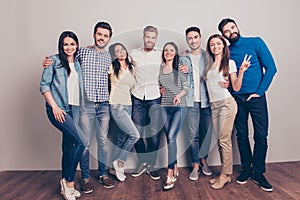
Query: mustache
x=233, y=34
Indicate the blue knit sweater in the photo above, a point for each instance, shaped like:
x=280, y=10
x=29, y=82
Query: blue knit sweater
x=259, y=75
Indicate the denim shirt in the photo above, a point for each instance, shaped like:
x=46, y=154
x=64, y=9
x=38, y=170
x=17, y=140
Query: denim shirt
x=190, y=95
x=54, y=79
x=203, y=89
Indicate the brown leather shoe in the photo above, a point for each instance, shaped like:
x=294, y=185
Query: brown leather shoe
x=87, y=186
x=220, y=182
x=106, y=181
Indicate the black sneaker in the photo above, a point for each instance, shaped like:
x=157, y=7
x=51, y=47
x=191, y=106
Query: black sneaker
x=140, y=170
x=153, y=174
x=243, y=177
x=262, y=182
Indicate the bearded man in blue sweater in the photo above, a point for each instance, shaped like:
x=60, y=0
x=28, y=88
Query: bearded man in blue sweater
x=251, y=99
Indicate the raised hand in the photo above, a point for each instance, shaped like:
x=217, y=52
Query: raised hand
x=246, y=63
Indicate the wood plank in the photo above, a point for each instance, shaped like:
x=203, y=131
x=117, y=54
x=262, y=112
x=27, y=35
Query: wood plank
x=284, y=177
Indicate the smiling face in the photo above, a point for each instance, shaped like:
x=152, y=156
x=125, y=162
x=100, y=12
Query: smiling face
x=149, y=39
x=169, y=52
x=120, y=52
x=101, y=37
x=69, y=46
x=193, y=39
x=216, y=46
x=231, y=32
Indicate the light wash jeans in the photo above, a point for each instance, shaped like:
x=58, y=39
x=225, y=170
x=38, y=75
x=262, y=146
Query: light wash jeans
x=122, y=116
x=198, y=120
x=92, y=112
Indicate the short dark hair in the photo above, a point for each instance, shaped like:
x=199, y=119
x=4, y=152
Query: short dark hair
x=224, y=22
x=192, y=28
x=104, y=25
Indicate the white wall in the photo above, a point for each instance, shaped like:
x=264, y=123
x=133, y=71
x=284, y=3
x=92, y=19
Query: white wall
x=30, y=30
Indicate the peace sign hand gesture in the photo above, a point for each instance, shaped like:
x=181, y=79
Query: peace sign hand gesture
x=246, y=63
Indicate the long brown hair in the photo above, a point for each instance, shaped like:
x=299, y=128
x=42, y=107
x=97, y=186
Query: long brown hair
x=224, y=66
x=175, y=63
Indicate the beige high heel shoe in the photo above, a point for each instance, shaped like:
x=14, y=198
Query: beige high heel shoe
x=212, y=181
x=220, y=182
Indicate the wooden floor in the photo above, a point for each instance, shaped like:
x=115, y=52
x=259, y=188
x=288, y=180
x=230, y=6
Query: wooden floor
x=35, y=185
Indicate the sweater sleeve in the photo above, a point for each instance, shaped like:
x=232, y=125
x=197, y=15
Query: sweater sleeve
x=267, y=62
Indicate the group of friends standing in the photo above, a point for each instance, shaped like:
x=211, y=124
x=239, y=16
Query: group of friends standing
x=148, y=91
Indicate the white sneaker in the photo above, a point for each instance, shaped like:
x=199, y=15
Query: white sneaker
x=119, y=171
x=169, y=183
x=77, y=194
x=68, y=193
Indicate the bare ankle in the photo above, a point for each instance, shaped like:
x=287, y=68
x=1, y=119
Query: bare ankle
x=70, y=184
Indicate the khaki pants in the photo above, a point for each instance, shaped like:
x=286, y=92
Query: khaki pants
x=223, y=115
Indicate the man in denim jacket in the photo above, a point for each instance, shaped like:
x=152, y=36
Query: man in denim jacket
x=199, y=114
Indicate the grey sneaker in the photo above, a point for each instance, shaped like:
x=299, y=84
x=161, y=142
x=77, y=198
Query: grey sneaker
x=205, y=169
x=153, y=174
x=140, y=170
x=194, y=174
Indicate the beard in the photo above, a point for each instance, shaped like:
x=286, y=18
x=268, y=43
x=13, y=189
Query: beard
x=149, y=46
x=235, y=39
x=101, y=45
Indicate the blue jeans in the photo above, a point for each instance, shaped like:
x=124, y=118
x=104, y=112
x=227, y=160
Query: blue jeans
x=173, y=118
x=72, y=146
x=146, y=114
x=90, y=113
x=257, y=108
x=204, y=133
x=122, y=116
x=198, y=121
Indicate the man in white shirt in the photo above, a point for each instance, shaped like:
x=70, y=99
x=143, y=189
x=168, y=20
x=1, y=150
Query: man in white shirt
x=146, y=109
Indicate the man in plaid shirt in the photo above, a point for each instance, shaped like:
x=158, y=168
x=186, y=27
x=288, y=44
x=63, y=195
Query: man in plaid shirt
x=95, y=63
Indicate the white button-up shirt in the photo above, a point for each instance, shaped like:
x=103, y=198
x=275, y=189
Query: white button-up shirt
x=147, y=73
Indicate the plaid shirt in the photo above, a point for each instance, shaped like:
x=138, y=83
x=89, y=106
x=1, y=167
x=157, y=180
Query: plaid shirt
x=95, y=66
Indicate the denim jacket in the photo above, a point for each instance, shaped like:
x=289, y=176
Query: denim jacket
x=190, y=95
x=203, y=89
x=54, y=79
